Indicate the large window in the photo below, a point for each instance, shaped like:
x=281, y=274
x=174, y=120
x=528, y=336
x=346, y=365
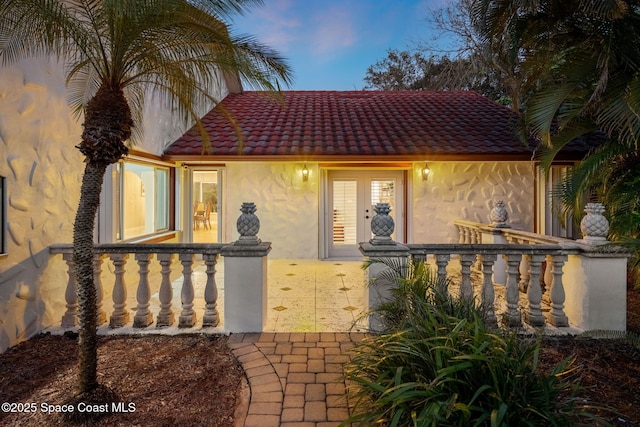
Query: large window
x=3, y=215
x=143, y=198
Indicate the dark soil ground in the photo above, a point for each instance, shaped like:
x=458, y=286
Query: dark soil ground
x=186, y=380
x=193, y=380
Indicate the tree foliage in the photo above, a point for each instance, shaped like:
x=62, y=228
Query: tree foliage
x=405, y=70
x=587, y=53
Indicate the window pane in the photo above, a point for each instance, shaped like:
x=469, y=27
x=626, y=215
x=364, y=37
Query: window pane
x=205, y=206
x=145, y=199
x=344, y=212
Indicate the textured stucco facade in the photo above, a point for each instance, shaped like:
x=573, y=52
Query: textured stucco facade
x=467, y=191
x=287, y=206
x=290, y=208
x=43, y=171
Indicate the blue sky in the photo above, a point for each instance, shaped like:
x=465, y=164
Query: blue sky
x=330, y=43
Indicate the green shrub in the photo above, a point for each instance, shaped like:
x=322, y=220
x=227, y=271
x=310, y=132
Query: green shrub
x=436, y=364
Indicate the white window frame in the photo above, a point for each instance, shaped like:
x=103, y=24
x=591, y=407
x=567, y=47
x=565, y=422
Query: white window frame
x=110, y=211
x=189, y=198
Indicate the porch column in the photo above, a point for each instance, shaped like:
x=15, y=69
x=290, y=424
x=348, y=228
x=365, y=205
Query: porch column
x=245, y=276
x=595, y=280
x=245, y=287
x=379, y=289
x=499, y=218
x=381, y=246
x=595, y=283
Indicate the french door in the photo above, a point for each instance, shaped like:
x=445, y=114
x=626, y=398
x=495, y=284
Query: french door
x=351, y=196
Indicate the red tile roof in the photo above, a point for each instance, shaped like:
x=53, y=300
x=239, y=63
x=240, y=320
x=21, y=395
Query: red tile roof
x=317, y=124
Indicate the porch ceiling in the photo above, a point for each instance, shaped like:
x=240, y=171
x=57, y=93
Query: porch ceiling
x=360, y=125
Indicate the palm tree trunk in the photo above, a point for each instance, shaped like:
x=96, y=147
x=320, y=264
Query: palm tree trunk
x=83, y=255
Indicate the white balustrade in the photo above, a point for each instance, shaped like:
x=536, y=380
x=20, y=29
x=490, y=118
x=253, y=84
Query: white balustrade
x=534, y=315
x=536, y=278
x=145, y=256
x=143, y=317
x=488, y=293
x=513, y=306
x=247, y=257
x=187, y=315
x=211, y=316
x=165, y=294
x=512, y=294
x=466, y=291
x=70, y=317
x=557, y=316
x=120, y=315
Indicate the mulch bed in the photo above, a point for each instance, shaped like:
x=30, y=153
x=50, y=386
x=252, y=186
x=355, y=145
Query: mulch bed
x=186, y=380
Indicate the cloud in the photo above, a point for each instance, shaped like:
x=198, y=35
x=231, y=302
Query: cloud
x=276, y=23
x=333, y=30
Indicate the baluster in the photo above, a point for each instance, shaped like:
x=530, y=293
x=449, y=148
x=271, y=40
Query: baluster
x=120, y=315
x=524, y=274
x=165, y=295
x=557, y=315
x=512, y=291
x=97, y=279
x=466, y=291
x=418, y=258
x=442, y=260
x=547, y=279
x=460, y=234
x=488, y=293
x=70, y=317
x=211, y=316
x=187, y=315
x=534, y=315
x=467, y=237
x=143, y=317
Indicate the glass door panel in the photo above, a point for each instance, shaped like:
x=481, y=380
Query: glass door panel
x=205, y=206
x=345, y=213
x=351, y=198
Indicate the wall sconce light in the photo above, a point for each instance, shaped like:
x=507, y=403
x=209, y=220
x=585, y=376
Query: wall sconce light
x=425, y=171
x=305, y=173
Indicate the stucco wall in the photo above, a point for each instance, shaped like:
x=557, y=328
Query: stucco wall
x=43, y=170
x=289, y=209
x=287, y=206
x=468, y=190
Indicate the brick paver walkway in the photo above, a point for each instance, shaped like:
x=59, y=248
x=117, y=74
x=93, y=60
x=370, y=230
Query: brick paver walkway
x=295, y=378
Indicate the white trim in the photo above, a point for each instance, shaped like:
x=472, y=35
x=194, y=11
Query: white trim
x=150, y=160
